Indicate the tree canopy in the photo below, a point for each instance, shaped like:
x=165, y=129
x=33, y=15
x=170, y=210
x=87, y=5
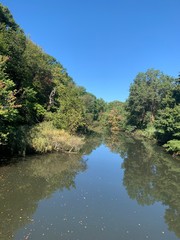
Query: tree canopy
x=35, y=87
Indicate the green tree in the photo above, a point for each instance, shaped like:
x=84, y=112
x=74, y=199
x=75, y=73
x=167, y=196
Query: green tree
x=150, y=92
x=6, y=18
x=13, y=44
x=69, y=114
x=176, y=91
x=8, y=106
x=168, y=124
x=93, y=108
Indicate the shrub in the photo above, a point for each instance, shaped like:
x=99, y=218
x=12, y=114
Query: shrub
x=173, y=146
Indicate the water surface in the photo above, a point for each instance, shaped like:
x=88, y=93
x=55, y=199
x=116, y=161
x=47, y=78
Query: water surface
x=118, y=188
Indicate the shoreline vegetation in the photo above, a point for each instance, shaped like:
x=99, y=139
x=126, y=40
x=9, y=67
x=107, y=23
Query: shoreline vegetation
x=45, y=138
x=43, y=110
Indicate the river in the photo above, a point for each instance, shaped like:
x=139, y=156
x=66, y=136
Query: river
x=115, y=189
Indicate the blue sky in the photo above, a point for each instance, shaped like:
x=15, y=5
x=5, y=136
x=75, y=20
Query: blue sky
x=104, y=44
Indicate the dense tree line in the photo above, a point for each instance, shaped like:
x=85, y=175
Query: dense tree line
x=35, y=87
x=154, y=105
x=151, y=110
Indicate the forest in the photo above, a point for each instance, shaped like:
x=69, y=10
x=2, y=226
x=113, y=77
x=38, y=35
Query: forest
x=42, y=109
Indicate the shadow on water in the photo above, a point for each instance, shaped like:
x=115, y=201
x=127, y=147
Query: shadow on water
x=150, y=176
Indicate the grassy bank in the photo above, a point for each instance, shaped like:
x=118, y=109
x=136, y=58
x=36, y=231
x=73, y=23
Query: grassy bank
x=44, y=137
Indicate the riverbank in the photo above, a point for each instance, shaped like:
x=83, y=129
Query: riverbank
x=42, y=138
x=172, y=146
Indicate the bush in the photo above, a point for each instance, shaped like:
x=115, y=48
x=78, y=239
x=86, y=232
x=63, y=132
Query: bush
x=173, y=146
x=44, y=137
x=149, y=132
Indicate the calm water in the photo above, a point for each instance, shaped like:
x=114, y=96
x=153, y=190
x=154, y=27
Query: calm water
x=116, y=189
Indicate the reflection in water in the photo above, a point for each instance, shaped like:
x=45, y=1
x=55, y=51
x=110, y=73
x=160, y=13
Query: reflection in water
x=99, y=204
x=150, y=175
x=25, y=183
x=93, y=141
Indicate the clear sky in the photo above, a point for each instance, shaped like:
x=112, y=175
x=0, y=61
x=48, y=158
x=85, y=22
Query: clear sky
x=104, y=44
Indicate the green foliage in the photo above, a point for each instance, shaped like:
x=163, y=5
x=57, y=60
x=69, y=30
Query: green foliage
x=149, y=132
x=13, y=44
x=18, y=140
x=69, y=112
x=173, y=146
x=35, y=87
x=150, y=92
x=8, y=106
x=167, y=124
x=176, y=91
x=6, y=17
x=94, y=109
x=38, y=70
x=153, y=106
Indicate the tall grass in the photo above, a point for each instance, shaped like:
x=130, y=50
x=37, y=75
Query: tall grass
x=44, y=137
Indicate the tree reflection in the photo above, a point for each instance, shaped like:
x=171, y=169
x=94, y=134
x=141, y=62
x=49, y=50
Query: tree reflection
x=93, y=141
x=25, y=183
x=150, y=175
